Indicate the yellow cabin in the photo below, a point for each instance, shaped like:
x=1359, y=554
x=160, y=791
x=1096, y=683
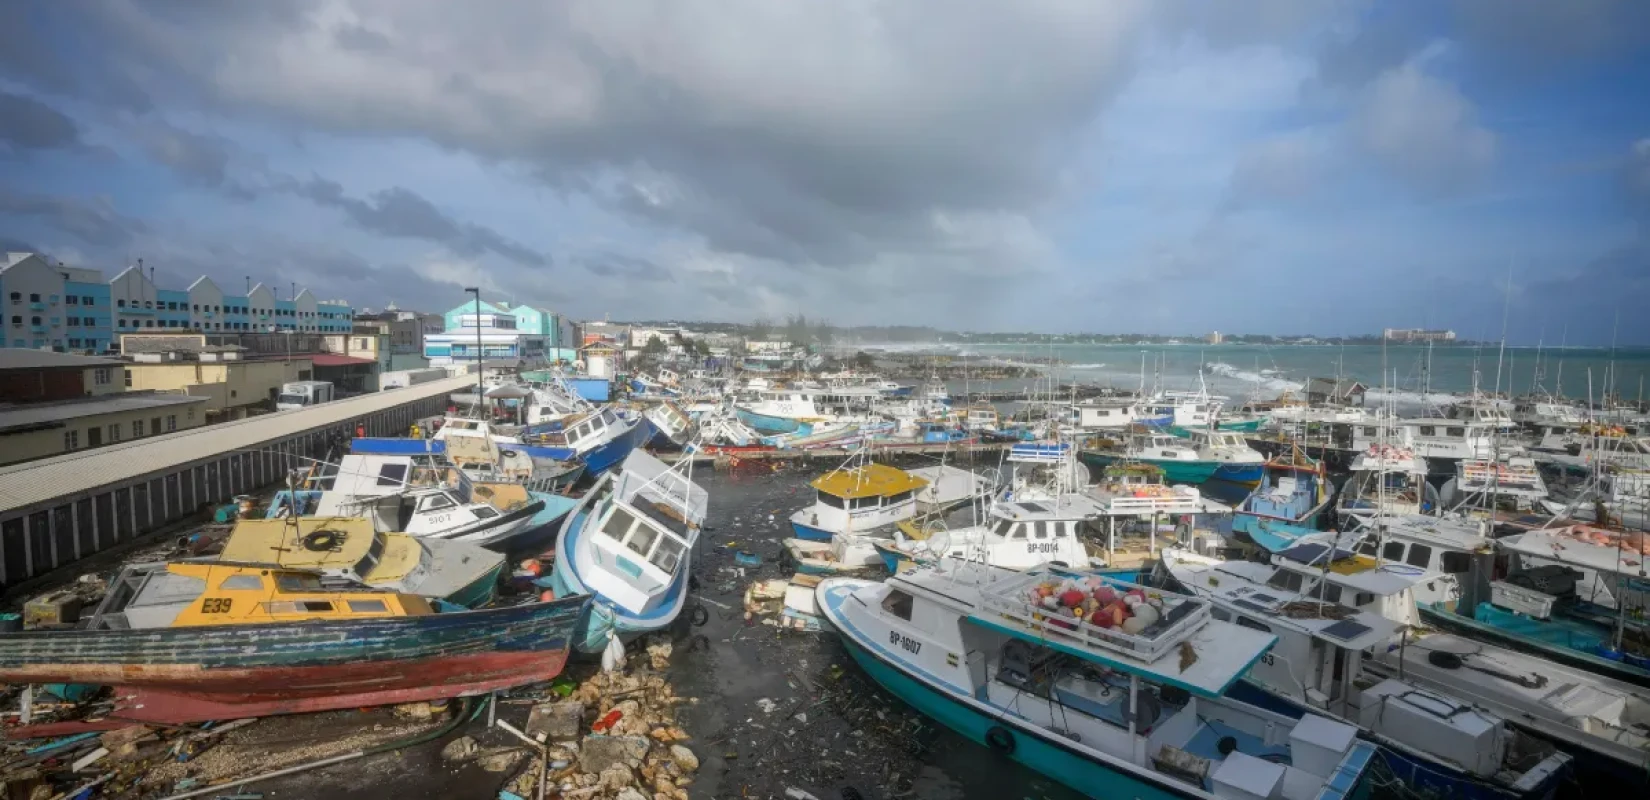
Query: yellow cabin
x=203, y=593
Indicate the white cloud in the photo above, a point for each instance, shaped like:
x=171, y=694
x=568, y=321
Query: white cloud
x=1423, y=129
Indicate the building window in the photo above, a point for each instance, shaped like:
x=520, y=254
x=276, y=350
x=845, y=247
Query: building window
x=120, y=304
x=148, y=304
x=149, y=323
x=17, y=297
x=74, y=342
x=87, y=301
x=128, y=374
x=34, y=297
x=137, y=429
x=100, y=376
x=172, y=421
x=71, y=440
x=17, y=320
x=72, y=300
x=34, y=320
x=191, y=413
x=114, y=433
x=196, y=307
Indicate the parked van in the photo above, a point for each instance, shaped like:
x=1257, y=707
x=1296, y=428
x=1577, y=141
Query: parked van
x=302, y=394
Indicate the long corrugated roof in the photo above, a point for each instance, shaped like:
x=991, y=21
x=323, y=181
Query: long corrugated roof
x=36, y=413
x=33, y=482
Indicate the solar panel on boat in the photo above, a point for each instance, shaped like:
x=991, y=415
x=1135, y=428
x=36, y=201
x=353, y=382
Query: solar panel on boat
x=1035, y=508
x=1346, y=630
x=1311, y=553
x=1255, y=607
x=1263, y=598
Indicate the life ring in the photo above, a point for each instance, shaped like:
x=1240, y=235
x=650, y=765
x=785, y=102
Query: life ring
x=999, y=739
x=322, y=540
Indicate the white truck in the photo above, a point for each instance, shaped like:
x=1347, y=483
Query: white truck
x=303, y=394
x=401, y=379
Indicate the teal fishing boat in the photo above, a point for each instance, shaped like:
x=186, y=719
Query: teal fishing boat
x=1179, y=461
x=1289, y=502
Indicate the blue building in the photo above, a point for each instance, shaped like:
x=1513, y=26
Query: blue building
x=69, y=308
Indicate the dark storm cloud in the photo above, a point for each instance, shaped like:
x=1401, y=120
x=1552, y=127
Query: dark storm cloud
x=28, y=124
x=402, y=213
x=198, y=159
x=95, y=221
x=617, y=265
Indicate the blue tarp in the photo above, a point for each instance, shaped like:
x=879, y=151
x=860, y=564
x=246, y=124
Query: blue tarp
x=396, y=447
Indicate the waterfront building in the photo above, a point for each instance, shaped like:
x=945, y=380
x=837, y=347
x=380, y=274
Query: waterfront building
x=55, y=403
x=62, y=308
x=494, y=329
x=1417, y=335
x=1216, y=338
x=235, y=381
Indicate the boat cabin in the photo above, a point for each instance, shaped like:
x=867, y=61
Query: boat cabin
x=671, y=422
x=580, y=433
x=1430, y=438
x=1510, y=485
x=1098, y=415
x=185, y=594
x=981, y=418
x=1019, y=536
x=862, y=498
x=644, y=528
x=1387, y=480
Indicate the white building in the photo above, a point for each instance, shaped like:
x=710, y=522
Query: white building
x=769, y=346
x=496, y=333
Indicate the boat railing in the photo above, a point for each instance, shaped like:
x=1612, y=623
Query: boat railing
x=1181, y=616
x=1165, y=501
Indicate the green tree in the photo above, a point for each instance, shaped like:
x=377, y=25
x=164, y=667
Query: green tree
x=796, y=330
x=863, y=360
x=655, y=347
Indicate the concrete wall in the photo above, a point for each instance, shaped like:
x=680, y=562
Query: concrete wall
x=31, y=294
x=113, y=427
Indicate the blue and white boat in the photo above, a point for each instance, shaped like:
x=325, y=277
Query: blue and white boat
x=629, y=544
x=601, y=439
x=1239, y=463
x=1289, y=502
x=672, y=427
x=1134, y=711
x=1435, y=742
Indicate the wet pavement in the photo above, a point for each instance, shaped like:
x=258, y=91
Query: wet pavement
x=788, y=709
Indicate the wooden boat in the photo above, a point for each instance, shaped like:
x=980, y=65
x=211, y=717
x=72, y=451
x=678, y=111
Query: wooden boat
x=186, y=642
x=348, y=549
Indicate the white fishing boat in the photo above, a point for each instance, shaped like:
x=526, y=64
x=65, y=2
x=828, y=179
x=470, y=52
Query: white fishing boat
x=1239, y=463
x=601, y=439
x=1014, y=535
x=429, y=501
x=1436, y=742
x=785, y=409
x=1386, y=480
x=1137, y=709
x=1185, y=410
x=1137, y=508
x=629, y=544
x=486, y=456
x=672, y=426
x=1510, y=484
x=1441, y=441
x=1103, y=414
x=949, y=488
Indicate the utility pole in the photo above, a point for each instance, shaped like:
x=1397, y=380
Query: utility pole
x=481, y=392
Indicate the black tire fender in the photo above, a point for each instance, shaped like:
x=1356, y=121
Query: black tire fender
x=1000, y=739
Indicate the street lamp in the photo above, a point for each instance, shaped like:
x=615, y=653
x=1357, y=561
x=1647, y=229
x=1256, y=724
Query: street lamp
x=481, y=393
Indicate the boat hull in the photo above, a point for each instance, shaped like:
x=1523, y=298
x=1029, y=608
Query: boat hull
x=1580, y=659
x=767, y=423
x=604, y=619
x=1174, y=471
x=231, y=671
x=1271, y=533
x=1033, y=749
x=809, y=532
x=614, y=451
x=1249, y=474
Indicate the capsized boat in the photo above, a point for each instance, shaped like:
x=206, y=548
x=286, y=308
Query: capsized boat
x=629, y=544
x=1434, y=741
x=673, y=428
x=1136, y=709
x=187, y=642
x=1289, y=503
x=347, y=550
x=484, y=454
x=601, y=439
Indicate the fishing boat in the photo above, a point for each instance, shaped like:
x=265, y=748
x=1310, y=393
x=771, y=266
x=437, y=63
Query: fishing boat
x=1440, y=441
x=1183, y=410
x=629, y=544
x=1434, y=741
x=188, y=642
x=672, y=427
x=1179, y=461
x=1014, y=535
x=1509, y=485
x=1289, y=503
x=478, y=450
x=428, y=500
x=1618, y=498
x=1574, y=594
x=1101, y=414
x=1137, y=709
x=1239, y=463
x=1603, y=723
x=1137, y=507
x=785, y=409
x=347, y=550
x=860, y=497
x=1385, y=481
x=601, y=439
x=950, y=488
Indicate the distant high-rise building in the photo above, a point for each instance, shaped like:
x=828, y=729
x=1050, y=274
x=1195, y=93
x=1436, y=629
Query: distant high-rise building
x=1216, y=338
x=1417, y=335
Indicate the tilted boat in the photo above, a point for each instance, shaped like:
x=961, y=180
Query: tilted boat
x=1433, y=740
x=187, y=642
x=1289, y=502
x=601, y=439
x=1137, y=709
x=629, y=544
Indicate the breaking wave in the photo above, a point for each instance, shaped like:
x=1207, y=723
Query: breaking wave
x=1086, y=366
x=1265, y=379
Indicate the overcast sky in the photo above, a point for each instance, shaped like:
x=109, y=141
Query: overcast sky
x=1265, y=165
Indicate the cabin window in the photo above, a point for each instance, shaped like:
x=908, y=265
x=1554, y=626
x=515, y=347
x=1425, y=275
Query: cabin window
x=1428, y=430
x=1329, y=592
x=1419, y=555
x=831, y=500
x=1220, y=613
x=1455, y=563
x=865, y=502
x=392, y=474
x=484, y=512
x=1362, y=599
x=1367, y=547
x=641, y=541
x=297, y=582
x=368, y=607
x=1393, y=551
x=1002, y=528
x=618, y=524
x=1284, y=579
x=1020, y=531
x=898, y=603
x=1369, y=430
x=668, y=555
x=1041, y=529
x=896, y=499
x=1458, y=433
x=435, y=502
x=324, y=606
x=251, y=582
x=1249, y=623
